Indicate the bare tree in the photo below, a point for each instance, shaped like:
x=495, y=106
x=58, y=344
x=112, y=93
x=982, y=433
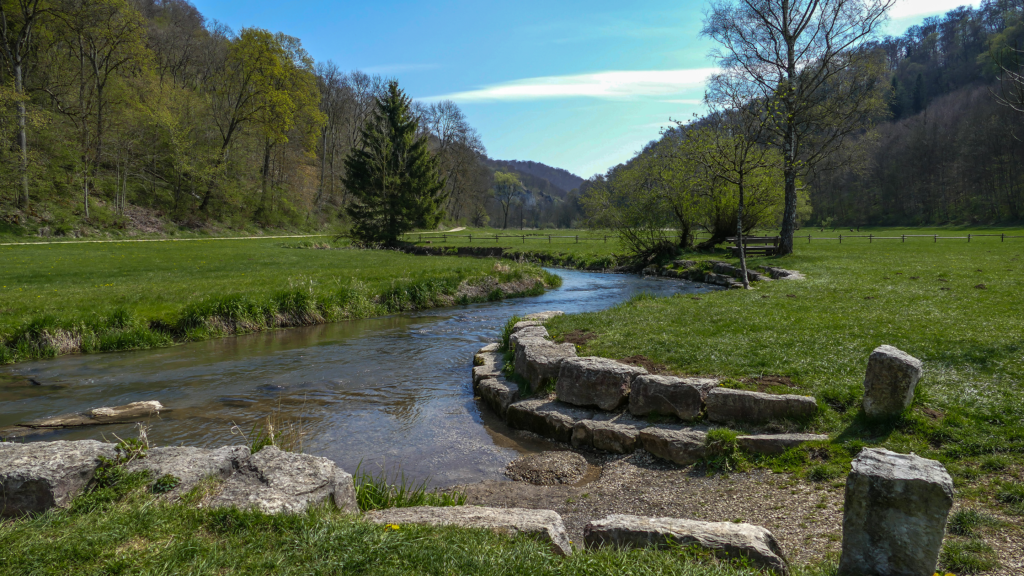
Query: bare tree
x=807, y=59
x=17, y=31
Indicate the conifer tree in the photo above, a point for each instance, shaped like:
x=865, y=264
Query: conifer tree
x=392, y=176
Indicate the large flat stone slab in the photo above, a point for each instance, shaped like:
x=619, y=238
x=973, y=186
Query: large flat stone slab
x=669, y=395
x=37, y=476
x=889, y=381
x=539, y=362
x=727, y=405
x=546, y=418
x=498, y=394
x=107, y=415
x=683, y=447
x=525, y=324
x=544, y=525
x=595, y=381
x=894, y=515
x=619, y=437
x=191, y=465
x=724, y=539
x=776, y=443
x=487, y=365
x=285, y=482
x=525, y=333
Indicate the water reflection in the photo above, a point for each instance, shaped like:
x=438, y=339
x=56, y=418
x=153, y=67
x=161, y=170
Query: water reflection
x=394, y=389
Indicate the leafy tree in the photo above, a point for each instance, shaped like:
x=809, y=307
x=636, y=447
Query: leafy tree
x=507, y=188
x=392, y=176
x=808, y=58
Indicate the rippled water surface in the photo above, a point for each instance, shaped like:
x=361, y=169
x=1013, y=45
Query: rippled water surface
x=394, y=390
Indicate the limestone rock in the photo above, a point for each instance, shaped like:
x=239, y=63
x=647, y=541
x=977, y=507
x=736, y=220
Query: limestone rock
x=492, y=347
x=548, y=468
x=530, y=332
x=889, y=382
x=668, y=395
x=782, y=273
x=723, y=539
x=191, y=465
x=538, y=362
x=727, y=405
x=107, y=415
x=543, y=316
x=498, y=394
x=284, y=482
x=610, y=436
x=526, y=324
x=776, y=443
x=594, y=381
x=544, y=525
x=546, y=418
x=36, y=476
x=683, y=447
x=487, y=365
x=894, y=516
x=685, y=263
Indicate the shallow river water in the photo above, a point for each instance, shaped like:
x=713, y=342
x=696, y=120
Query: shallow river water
x=395, y=391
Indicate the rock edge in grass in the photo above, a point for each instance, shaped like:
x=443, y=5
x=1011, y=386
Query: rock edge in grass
x=544, y=525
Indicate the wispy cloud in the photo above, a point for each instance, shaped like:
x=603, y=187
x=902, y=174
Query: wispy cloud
x=399, y=68
x=615, y=85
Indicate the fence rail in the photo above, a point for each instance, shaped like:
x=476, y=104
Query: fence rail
x=903, y=237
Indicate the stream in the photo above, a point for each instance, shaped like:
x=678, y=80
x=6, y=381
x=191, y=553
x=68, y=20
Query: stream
x=393, y=391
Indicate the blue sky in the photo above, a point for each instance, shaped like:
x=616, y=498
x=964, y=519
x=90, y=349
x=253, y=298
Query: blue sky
x=577, y=85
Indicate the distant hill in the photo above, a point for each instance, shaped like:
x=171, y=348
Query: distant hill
x=560, y=180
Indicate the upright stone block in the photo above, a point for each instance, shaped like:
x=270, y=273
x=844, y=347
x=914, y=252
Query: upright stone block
x=889, y=382
x=669, y=395
x=894, y=516
x=540, y=360
x=594, y=381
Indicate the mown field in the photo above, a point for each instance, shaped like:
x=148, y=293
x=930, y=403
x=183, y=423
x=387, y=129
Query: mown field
x=116, y=296
x=955, y=305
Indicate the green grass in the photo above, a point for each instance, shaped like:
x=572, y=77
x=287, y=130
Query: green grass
x=919, y=296
x=968, y=557
x=125, y=529
x=97, y=297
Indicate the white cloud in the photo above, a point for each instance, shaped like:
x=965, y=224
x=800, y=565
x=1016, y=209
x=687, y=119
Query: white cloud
x=615, y=85
x=908, y=8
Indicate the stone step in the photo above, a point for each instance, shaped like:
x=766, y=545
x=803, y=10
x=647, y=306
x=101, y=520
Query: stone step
x=684, y=447
x=544, y=525
x=723, y=539
x=498, y=393
x=728, y=405
x=546, y=418
x=775, y=443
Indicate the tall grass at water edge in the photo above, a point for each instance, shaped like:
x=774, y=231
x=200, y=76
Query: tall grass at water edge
x=73, y=298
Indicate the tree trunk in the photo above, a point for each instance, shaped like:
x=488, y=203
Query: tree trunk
x=739, y=239
x=19, y=89
x=789, y=148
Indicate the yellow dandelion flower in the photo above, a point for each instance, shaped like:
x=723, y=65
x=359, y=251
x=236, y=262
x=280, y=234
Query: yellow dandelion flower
x=391, y=527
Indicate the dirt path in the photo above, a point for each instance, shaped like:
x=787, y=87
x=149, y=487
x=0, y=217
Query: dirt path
x=805, y=517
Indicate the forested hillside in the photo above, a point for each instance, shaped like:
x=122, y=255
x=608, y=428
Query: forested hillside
x=949, y=151
x=144, y=115
x=944, y=148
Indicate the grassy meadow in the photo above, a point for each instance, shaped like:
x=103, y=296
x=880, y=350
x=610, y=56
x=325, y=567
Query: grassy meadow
x=955, y=305
x=56, y=298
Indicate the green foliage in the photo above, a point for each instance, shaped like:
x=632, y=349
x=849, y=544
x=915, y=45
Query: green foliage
x=968, y=557
x=1012, y=494
x=384, y=490
x=506, y=332
x=392, y=177
x=722, y=453
x=966, y=521
x=165, y=484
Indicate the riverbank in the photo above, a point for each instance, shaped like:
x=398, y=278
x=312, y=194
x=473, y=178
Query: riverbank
x=71, y=298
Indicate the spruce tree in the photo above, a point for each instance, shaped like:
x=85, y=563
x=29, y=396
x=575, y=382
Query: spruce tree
x=392, y=176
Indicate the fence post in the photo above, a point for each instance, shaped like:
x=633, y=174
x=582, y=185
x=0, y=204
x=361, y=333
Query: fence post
x=968, y=238
x=904, y=238
x=470, y=238
x=871, y=238
x=840, y=238
x=1002, y=237
x=577, y=239
x=808, y=238
x=445, y=238
x=524, y=238
x=605, y=239
x=936, y=238
x=549, y=238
